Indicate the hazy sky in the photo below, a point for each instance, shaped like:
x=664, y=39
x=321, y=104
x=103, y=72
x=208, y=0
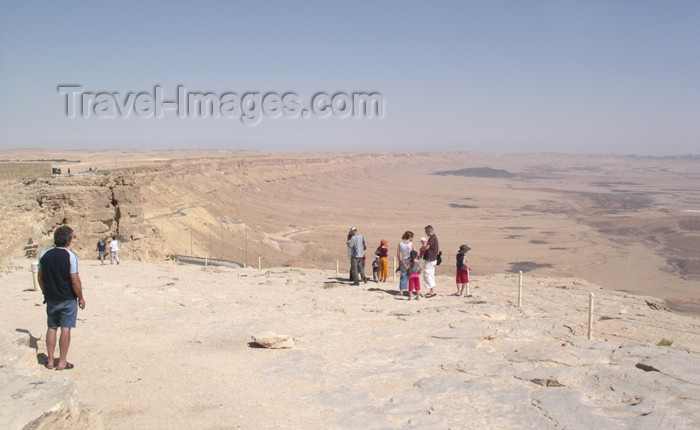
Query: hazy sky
x=490, y=76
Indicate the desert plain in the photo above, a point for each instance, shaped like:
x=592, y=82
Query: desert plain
x=164, y=344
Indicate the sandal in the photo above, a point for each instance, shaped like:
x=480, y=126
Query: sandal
x=68, y=367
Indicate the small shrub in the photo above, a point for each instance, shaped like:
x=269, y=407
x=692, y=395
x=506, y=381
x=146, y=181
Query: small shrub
x=665, y=342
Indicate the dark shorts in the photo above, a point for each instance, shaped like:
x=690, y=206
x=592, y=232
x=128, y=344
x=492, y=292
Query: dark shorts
x=61, y=314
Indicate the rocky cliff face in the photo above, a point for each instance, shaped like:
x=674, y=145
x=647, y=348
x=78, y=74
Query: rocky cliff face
x=220, y=208
x=95, y=207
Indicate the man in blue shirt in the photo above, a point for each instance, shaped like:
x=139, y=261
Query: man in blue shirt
x=63, y=294
x=101, y=249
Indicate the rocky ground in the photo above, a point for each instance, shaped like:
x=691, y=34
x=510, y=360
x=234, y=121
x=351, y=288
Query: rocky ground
x=623, y=222
x=171, y=346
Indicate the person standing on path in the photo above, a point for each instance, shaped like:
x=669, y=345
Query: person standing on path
x=463, y=269
x=101, y=249
x=347, y=245
x=114, y=250
x=414, y=269
x=63, y=293
x=357, y=245
x=383, y=253
x=432, y=249
x=375, y=269
x=403, y=254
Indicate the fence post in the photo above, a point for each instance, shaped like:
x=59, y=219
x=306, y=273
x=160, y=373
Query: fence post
x=35, y=276
x=590, y=316
x=520, y=290
x=259, y=263
x=206, y=262
x=337, y=268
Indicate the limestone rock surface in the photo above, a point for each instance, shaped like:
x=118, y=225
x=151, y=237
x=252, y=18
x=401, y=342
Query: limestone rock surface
x=273, y=340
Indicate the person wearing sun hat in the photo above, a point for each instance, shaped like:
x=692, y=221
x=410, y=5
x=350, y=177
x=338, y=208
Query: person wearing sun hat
x=383, y=253
x=423, y=242
x=462, y=269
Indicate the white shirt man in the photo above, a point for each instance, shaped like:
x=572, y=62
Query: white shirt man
x=114, y=251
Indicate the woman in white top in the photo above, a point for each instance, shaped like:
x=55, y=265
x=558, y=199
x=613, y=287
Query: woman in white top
x=347, y=244
x=403, y=254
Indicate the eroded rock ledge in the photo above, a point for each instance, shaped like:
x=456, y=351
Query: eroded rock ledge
x=33, y=403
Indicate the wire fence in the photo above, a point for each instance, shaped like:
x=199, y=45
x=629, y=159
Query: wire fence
x=583, y=308
x=586, y=307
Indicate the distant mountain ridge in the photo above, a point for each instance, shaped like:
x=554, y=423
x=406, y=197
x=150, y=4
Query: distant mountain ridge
x=478, y=172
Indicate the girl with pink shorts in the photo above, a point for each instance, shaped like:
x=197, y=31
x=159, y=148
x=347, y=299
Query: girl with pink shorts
x=414, y=268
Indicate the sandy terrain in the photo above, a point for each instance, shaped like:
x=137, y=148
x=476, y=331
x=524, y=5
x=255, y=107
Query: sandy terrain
x=169, y=346
x=626, y=223
x=163, y=346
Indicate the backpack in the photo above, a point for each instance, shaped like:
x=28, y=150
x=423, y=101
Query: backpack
x=439, y=259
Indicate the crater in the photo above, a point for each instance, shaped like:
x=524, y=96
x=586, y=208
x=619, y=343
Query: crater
x=526, y=266
x=478, y=172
